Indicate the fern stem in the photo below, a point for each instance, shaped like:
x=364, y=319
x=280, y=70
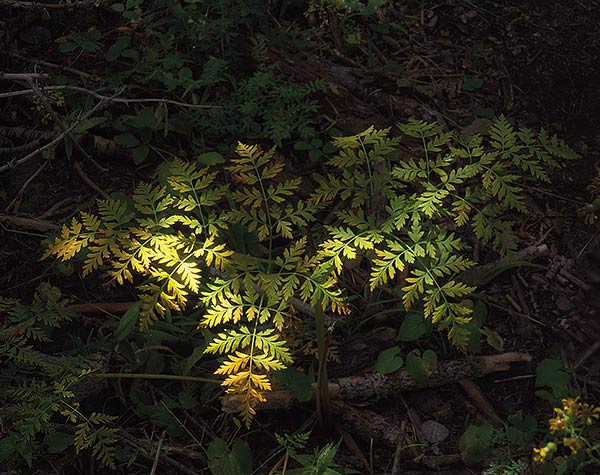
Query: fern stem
x=170, y=377
x=369, y=171
x=426, y=153
x=267, y=212
x=197, y=200
x=322, y=399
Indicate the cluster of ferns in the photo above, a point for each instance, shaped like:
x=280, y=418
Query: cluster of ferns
x=246, y=243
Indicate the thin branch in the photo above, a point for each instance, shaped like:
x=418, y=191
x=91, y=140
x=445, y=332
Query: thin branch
x=89, y=182
x=121, y=100
x=50, y=6
x=59, y=67
x=13, y=206
x=16, y=162
x=22, y=76
x=20, y=148
x=27, y=223
x=158, y=449
x=55, y=116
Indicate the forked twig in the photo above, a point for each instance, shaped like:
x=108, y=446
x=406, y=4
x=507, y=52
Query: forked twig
x=16, y=162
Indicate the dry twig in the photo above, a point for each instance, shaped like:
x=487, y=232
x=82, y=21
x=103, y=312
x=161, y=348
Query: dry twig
x=16, y=162
x=88, y=181
x=120, y=100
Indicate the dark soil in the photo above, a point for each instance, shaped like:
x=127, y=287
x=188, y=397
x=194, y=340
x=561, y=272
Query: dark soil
x=540, y=61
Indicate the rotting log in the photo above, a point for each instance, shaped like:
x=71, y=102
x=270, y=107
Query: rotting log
x=375, y=386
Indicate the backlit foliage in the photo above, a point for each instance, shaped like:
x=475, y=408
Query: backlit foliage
x=248, y=253
x=398, y=212
x=37, y=388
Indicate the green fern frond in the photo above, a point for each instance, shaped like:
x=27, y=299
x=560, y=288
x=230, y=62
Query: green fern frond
x=247, y=253
x=94, y=433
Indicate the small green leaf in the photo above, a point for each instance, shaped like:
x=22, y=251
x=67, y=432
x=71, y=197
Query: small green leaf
x=196, y=356
x=126, y=140
x=430, y=357
x=522, y=430
x=329, y=148
x=299, y=383
x=476, y=444
x=131, y=15
x=216, y=448
x=58, y=441
x=300, y=145
x=210, y=158
x=493, y=339
x=472, y=84
x=118, y=7
x=413, y=326
x=354, y=38
x=127, y=322
x=404, y=83
x=130, y=53
x=388, y=361
x=420, y=366
x=314, y=154
x=242, y=454
x=8, y=446
x=89, y=46
x=550, y=372
x=89, y=124
x=186, y=74
x=187, y=400
x=117, y=48
x=67, y=47
x=140, y=154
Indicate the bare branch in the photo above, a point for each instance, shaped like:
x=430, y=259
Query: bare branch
x=15, y=162
x=121, y=100
x=25, y=5
x=47, y=64
x=22, y=76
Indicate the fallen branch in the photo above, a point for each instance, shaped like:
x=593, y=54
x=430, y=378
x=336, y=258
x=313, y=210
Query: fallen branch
x=47, y=6
x=121, y=100
x=59, y=67
x=367, y=423
x=28, y=223
x=89, y=182
x=378, y=386
x=480, y=401
x=22, y=76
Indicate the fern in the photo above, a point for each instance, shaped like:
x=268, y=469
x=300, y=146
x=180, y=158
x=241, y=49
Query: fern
x=395, y=208
x=93, y=432
x=245, y=253
x=36, y=387
x=175, y=242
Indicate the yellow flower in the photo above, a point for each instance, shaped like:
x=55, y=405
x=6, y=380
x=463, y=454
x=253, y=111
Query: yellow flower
x=556, y=424
x=573, y=443
x=543, y=454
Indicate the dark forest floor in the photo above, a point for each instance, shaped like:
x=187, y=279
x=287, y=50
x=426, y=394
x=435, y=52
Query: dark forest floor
x=538, y=62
